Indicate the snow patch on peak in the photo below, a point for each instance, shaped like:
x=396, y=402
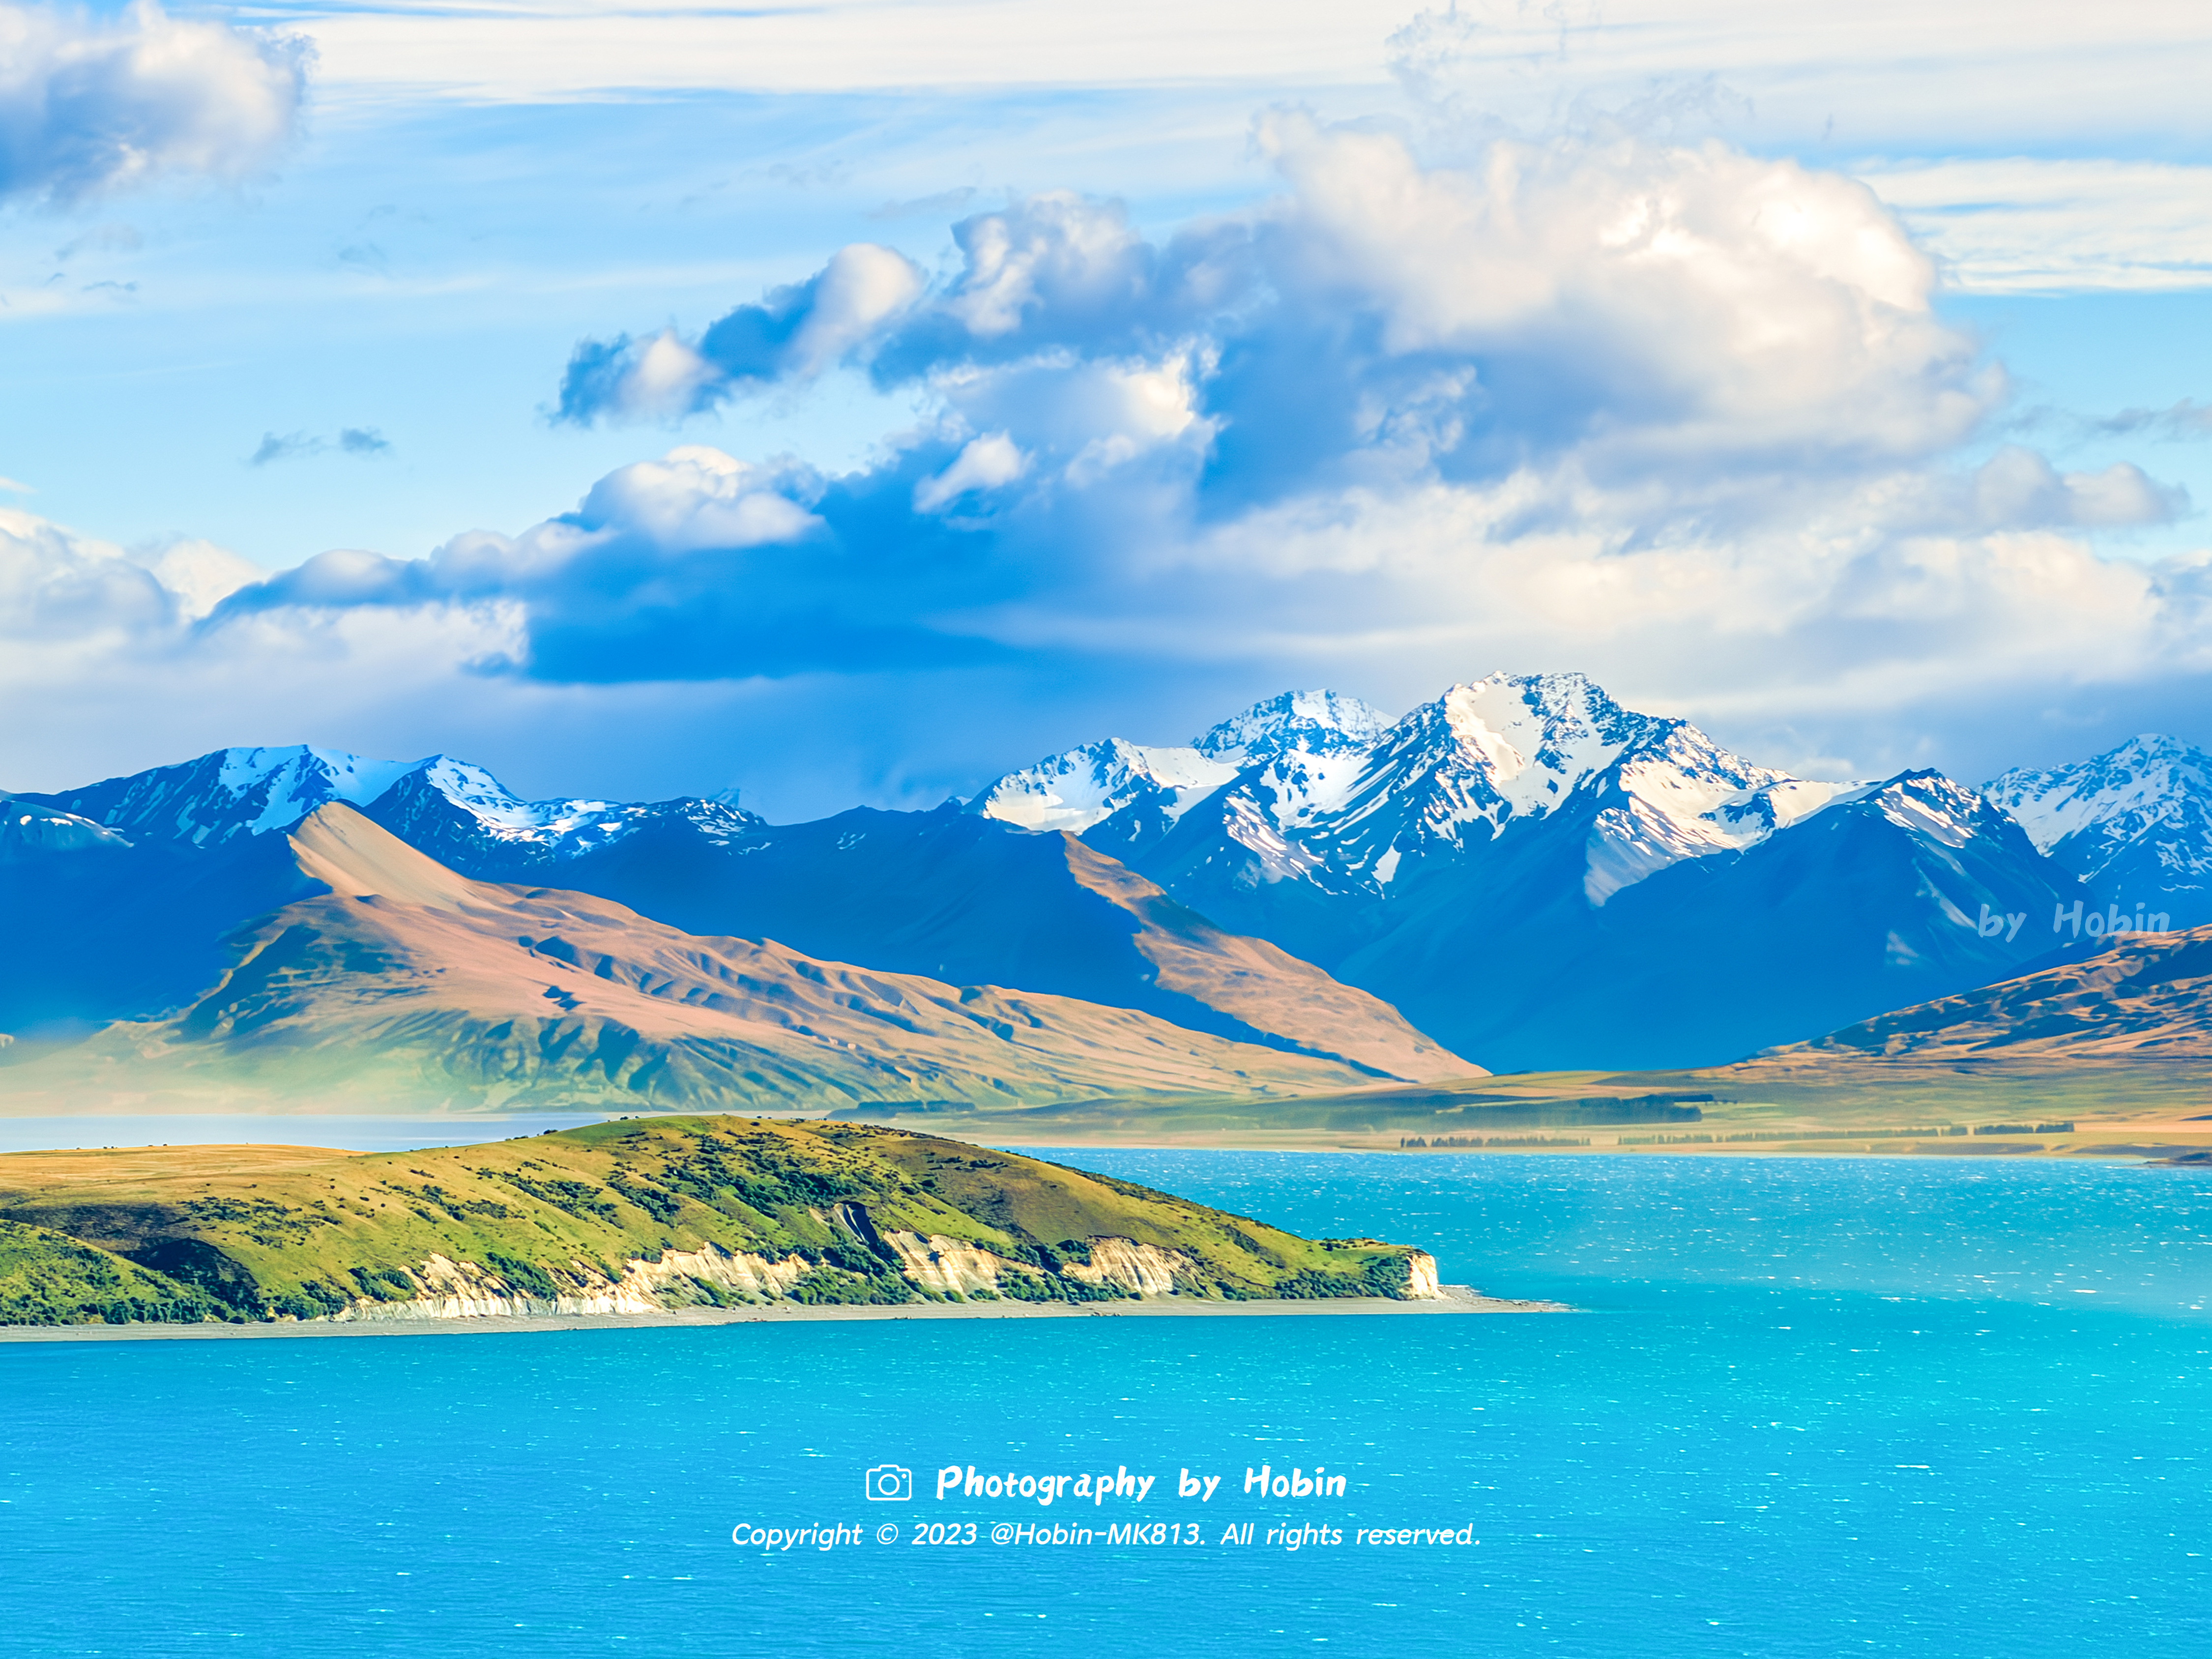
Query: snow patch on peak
x=1080, y=787
x=1537, y=737
x=1930, y=805
x=484, y=798
x=1313, y=722
x=287, y=783
x=2149, y=780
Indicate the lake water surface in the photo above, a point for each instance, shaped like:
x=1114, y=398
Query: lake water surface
x=1814, y=1407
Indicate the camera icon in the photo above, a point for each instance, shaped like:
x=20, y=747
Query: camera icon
x=890, y=1484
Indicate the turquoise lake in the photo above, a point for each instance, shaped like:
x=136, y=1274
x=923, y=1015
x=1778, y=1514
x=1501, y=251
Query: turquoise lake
x=1811, y=1407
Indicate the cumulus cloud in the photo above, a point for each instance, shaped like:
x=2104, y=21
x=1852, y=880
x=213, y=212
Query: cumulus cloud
x=1586, y=396
x=1678, y=416
x=58, y=588
x=794, y=333
x=706, y=566
x=91, y=105
x=1632, y=310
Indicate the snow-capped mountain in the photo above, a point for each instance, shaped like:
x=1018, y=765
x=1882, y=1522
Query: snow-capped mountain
x=462, y=815
x=1305, y=722
x=1538, y=876
x=2136, y=823
x=1315, y=787
x=230, y=793
x=1083, y=787
x=445, y=806
x=1075, y=790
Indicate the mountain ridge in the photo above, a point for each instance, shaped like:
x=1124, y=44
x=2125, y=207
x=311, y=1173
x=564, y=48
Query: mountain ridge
x=2148, y=996
x=393, y=978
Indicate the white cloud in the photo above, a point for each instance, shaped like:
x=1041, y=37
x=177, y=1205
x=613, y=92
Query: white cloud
x=1678, y=415
x=198, y=574
x=1057, y=249
x=586, y=48
x=1722, y=304
x=985, y=464
x=56, y=585
x=862, y=288
x=1884, y=76
x=89, y=106
x=2044, y=225
x=796, y=332
x=1883, y=70
x=698, y=497
x=663, y=380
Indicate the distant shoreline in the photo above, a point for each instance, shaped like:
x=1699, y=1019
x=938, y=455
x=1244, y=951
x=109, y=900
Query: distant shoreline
x=1457, y=1299
x=2144, y=1137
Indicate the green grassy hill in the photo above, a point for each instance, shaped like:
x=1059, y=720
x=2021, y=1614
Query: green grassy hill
x=625, y=1217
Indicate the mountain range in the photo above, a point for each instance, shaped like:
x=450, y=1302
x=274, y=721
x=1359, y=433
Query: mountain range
x=1542, y=879
x=1520, y=874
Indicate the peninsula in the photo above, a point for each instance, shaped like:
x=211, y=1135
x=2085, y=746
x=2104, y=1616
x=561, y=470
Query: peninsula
x=635, y=1217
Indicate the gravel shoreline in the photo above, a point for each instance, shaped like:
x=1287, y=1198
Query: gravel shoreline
x=1457, y=1299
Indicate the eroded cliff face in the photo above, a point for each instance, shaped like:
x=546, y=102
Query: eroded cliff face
x=950, y=1266
x=1142, y=1269
x=933, y=1264
x=1421, y=1285
x=464, y=1290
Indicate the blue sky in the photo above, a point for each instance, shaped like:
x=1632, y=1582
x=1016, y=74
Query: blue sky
x=1839, y=383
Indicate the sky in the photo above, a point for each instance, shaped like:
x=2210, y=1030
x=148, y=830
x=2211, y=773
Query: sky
x=850, y=402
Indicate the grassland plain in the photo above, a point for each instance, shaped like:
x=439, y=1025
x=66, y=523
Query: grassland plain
x=1802, y=1100
x=634, y=1216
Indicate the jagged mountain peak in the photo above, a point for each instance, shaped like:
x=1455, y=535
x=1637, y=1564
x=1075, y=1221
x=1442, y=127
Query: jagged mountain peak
x=1080, y=787
x=1510, y=749
x=1316, y=722
x=2149, y=778
x=229, y=795
x=1521, y=740
x=2136, y=818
